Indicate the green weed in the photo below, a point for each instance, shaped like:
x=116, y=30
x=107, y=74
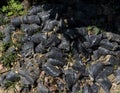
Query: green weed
x=2, y=35
x=118, y=92
x=10, y=84
x=80, y=91
x=94, y=29
x=5, y=46
x=8, y=59
x=13, y=8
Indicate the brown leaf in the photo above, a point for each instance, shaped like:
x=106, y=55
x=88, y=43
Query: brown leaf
x=1, y=66
x=53, y=88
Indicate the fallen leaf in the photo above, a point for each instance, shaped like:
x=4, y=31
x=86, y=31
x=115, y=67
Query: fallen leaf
x=1, y=66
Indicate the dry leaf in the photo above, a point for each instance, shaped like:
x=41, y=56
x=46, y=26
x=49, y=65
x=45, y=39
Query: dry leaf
x=1, y=66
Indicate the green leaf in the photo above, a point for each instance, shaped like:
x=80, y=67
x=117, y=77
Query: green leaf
x=10, y=13
x=21, y=12
x=4, y=8
x=14, y=5
x=19, y=7
x=79, y=91
x=96, y=30
x=89, y=28
x=11, y=1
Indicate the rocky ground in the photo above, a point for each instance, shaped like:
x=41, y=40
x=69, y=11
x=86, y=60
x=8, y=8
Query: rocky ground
x=62, y=48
